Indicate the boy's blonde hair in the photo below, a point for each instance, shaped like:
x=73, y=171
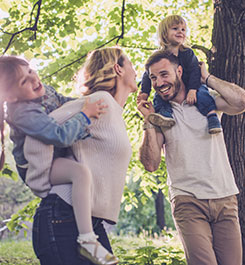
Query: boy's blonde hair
x=99, y=72
x=164, y=25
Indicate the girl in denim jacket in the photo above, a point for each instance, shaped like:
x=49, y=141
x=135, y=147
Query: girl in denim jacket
x=171, y=35
x=28, y=104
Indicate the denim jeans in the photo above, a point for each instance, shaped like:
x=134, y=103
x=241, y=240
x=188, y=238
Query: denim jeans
x=205, y=102
x=55, y=233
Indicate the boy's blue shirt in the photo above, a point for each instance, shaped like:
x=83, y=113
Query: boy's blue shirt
x=30, y=118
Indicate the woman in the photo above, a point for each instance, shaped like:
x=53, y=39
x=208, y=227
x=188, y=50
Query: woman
x=109, y=76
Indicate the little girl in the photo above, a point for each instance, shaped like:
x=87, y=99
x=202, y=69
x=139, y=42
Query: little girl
x=28, y=104
x=171, y=35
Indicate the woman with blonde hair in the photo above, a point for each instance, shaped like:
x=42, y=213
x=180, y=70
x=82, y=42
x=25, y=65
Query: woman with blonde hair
x=108, y=75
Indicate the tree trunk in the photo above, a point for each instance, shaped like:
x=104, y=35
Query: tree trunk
x=228, y=63
x=159, y=204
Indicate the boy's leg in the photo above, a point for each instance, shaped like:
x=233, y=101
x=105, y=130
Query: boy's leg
x=191, y=220
x=206, y=105
x=163, y=116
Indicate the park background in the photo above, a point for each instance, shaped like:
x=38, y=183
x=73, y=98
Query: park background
x=56, y=36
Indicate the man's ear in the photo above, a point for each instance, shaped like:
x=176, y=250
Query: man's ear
x=118, y=69
x=179, y=71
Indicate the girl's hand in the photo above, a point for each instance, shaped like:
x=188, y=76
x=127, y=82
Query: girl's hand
x=93, y=110
x=191, y=97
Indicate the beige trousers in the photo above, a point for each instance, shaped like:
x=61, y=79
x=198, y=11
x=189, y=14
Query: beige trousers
x=209, y=230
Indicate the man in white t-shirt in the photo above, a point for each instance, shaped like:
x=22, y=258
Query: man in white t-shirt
x=202, y=188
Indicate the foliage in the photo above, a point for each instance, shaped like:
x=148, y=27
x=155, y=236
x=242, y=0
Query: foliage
x=139, y=214
x=130, y=250
x=57, y=35
x=25, y=214
x=14, y=195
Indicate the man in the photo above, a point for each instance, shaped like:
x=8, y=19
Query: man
x=202, y=188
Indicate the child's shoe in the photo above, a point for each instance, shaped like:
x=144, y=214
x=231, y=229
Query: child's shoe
x=159, y=120
x=92, y=249
x=214, y=125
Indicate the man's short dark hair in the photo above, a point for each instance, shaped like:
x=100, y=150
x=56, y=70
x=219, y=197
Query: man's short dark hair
x=158, y=56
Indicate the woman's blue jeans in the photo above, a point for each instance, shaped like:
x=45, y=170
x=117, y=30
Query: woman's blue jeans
x=55, y=233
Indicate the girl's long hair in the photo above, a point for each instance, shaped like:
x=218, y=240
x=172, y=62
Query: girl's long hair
x=9, y=74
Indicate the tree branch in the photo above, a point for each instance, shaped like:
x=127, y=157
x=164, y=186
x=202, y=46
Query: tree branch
x=32, y=28
x=122, y=19
x=207, y=52
x=80, y=58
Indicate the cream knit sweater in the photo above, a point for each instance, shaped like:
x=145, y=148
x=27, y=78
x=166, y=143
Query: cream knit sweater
x=107, y=154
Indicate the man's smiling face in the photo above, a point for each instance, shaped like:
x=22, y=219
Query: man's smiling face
x=165, y=78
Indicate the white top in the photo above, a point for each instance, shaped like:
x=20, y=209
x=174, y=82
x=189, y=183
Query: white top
x=197, y=161
x=107, y=153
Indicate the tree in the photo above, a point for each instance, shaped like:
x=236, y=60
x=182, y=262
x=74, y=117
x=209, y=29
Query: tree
x=227, y=60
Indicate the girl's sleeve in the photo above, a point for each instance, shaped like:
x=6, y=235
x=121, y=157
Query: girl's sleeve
x=33, y=121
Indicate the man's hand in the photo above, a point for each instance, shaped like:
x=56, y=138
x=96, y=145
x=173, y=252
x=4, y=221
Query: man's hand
x=141, y=96
x=145, y=107
x=204, y=72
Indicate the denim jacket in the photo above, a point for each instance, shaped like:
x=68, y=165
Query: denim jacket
x=31, y=118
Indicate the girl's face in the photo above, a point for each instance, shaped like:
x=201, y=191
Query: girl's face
x=28, y=86
x=177, y=34
x=129, y=74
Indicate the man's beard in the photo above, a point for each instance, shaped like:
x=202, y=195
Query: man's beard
x=176, y=85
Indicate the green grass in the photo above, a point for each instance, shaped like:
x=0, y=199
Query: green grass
x=17, y=253
x=142, y=250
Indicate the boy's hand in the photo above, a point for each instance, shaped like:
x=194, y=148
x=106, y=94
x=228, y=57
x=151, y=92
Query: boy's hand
x=141, y=96
x=93, y=110
x=191, y=97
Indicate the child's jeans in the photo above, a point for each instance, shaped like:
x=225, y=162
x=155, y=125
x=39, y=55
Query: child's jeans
x=205, y=102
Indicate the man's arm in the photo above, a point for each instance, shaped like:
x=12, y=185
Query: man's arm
x=150, y=150
x=231, y=99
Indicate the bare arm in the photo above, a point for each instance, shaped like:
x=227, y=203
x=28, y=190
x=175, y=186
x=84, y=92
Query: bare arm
x=231, y=98
x=150, y=150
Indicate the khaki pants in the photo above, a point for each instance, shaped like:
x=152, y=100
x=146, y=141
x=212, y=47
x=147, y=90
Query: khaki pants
x=209, y=230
